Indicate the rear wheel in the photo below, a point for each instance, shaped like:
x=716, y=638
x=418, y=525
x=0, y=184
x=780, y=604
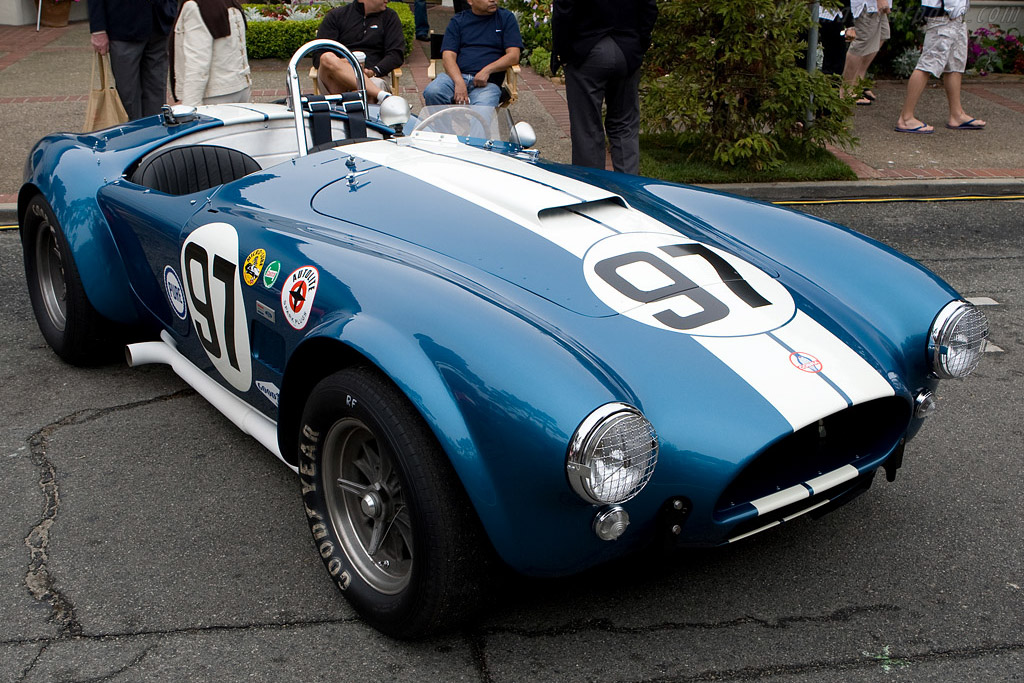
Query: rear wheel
x=388, y=515
x=69, y=323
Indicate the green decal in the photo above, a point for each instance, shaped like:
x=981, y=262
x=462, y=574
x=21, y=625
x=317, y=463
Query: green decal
x=271, y=273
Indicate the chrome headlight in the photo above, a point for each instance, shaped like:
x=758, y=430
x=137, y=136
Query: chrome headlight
x=612, y=454
x=957, y=340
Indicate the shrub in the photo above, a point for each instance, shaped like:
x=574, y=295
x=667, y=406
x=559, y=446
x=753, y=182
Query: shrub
x=540, y=61
x=728, y=76
x=534, y=18
x=278, y=37
x=994, y=51
x=903, y=66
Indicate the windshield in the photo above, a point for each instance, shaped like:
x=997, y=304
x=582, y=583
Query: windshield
x=465, y=121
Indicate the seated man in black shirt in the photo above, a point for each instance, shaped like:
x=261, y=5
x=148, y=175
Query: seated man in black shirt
x=366, y=26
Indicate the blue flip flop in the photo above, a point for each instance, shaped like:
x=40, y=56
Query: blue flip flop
x=920, y=130
x=967, y=125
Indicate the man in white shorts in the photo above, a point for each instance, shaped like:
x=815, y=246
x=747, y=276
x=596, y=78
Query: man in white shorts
x=944, y=55
x=871, y=24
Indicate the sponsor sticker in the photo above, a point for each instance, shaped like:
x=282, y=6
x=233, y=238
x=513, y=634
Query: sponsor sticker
x=297, y=295
x=253, y=266
x=271, y=273
x=265, y=311
x=269, y=390
x=175, y=292
x=805, y=361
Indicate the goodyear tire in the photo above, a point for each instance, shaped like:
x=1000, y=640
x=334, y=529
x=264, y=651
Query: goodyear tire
x=389, y=517
x=69, y=323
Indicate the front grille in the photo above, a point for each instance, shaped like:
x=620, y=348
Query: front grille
x=856, y=435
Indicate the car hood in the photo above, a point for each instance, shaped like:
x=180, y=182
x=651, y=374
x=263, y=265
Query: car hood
x=585, y=249
x=536, y=229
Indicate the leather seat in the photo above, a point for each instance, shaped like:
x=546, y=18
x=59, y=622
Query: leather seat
x=193, y=168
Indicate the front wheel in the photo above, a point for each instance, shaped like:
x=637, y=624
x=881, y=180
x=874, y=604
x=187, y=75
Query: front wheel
x=389, y=517
x=69, y=323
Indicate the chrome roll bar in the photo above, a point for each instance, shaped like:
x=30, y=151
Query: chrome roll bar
x=294, y=90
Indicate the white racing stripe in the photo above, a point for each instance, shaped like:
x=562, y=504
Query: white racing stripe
x=512, y=189
x=773, y=358
x=764, y=362
x=800, y=397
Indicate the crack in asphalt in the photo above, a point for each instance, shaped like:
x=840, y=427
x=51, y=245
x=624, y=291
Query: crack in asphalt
x=865, y=662
x=39, y=580
x=478, y=650
x=607, y=626
x=32, y=665
x=191, y=630
x=127, y=667
x=477, y=643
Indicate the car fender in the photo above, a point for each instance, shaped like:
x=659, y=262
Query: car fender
x=99, y=264
x=454, y=390
x=69, y=169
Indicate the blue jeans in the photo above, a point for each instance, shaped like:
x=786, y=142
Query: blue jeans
x=419, y=13
x=442, y=89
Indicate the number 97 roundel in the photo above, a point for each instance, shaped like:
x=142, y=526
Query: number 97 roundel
x=668, y=282
x=209, y=263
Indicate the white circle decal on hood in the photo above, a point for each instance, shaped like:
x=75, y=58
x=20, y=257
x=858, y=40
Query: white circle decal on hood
x=675, y=284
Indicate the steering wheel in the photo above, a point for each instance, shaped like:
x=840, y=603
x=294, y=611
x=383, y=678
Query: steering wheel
x=453, y=113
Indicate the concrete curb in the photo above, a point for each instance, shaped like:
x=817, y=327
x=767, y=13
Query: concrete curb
x=839, y=190
x=8, y=214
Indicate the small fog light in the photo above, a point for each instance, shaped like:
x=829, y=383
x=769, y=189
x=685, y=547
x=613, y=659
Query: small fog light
x=611, y=523
x=924, y=404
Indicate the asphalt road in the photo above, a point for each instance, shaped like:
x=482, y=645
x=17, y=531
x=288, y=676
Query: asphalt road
x=143, y=538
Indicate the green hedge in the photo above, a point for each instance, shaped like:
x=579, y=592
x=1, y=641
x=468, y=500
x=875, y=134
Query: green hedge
x=280, y=39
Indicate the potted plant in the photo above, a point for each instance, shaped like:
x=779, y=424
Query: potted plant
x=55, y=12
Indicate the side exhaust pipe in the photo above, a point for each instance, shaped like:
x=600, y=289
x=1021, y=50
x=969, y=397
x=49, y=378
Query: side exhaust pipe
x=246, y=418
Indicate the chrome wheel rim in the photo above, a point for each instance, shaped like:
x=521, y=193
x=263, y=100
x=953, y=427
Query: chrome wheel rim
x=367, y=506
x=50, y=275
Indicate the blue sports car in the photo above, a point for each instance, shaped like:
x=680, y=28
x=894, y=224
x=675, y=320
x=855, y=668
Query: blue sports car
x=471, y=356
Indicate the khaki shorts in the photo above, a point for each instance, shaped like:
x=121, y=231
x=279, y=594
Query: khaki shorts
x=945, y=46
x=872, y=30
x=381, y=83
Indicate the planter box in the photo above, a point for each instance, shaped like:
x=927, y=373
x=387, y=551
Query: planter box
x=21, y=12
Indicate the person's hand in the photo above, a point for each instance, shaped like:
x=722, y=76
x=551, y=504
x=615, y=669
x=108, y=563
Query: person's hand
x=884, y=7
x=482, y=77
x=461, y=93
x=100, y=43
x=851, y=34
x=369, y=73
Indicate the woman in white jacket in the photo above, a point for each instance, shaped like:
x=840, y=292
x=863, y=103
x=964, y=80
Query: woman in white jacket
x=207, y=53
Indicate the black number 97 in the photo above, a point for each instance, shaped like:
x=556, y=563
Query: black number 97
x=712, y=308
x=224, y=272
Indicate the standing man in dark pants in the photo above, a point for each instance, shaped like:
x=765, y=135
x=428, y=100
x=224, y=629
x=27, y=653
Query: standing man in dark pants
x=135, y=32
x=602, y=43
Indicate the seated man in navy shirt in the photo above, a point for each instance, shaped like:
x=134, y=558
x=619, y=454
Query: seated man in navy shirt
x=478, y=46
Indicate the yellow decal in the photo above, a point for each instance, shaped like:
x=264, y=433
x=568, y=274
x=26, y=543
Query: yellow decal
x=253, y=266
